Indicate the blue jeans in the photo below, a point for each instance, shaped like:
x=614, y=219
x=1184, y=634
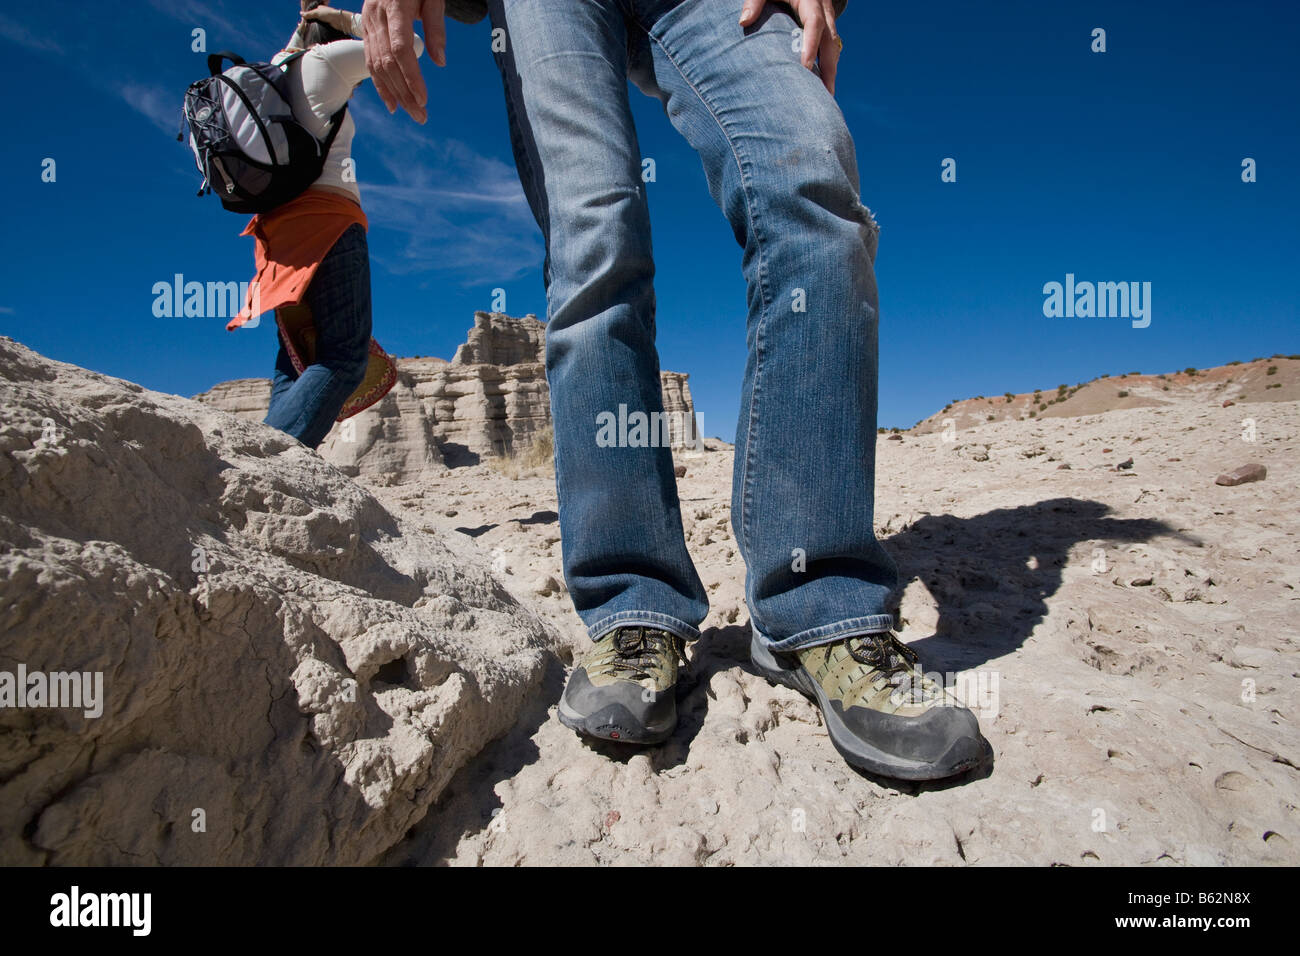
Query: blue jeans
x=305, y=406
x=781, y=166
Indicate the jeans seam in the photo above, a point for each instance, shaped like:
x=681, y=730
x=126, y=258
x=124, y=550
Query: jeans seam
x=829, y=633
x=742, y=164
x=650, y=618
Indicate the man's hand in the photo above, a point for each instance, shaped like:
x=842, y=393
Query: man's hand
x=389, y=27
x=821, y=44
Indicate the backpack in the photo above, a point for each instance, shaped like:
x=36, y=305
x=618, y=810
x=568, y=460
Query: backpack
x=245, y=138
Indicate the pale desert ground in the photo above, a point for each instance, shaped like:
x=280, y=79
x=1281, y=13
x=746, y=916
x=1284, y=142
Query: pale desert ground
x=329, y=670
x=1141, y=625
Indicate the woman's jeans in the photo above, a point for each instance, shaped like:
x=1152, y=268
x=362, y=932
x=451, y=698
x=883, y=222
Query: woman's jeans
x=305, y=406
x=781, y=166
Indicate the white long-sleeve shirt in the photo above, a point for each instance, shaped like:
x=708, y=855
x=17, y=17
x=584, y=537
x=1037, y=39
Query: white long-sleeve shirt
x=321, y=81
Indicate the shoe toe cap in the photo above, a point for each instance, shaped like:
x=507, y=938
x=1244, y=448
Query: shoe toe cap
x=940, y=735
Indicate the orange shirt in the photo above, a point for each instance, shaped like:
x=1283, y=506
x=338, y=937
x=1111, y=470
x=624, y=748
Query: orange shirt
x=291, y=242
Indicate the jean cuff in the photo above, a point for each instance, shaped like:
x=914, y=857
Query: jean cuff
x=663, y=622
x=829, y=633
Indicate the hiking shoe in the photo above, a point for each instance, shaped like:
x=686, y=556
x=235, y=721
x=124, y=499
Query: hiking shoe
x=625, y=689
x=883, y=714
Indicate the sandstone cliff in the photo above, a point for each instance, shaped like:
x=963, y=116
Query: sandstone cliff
x=490, y=400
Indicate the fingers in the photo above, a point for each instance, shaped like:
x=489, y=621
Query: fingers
x=374, y=25
x=828, y=53
x=432, y=15
x=391, y=59
x=749, y=13
x=813, y=28
x=821, y=46
x=403, y=69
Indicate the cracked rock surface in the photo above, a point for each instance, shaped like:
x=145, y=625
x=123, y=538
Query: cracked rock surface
x=291, y=672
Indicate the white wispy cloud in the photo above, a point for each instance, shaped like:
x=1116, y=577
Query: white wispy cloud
x=15, y=32
x=159, y=105
x=251, y=29
x=459, y=211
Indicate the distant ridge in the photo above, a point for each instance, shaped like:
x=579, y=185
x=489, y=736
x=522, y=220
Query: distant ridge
x=1275, y=379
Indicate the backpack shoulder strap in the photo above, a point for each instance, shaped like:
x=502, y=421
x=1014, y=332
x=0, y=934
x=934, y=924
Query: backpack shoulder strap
x=336, y=123
x=295, y=55
x=214, y=61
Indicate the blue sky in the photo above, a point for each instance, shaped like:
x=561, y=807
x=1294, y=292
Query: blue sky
x=1115, y=166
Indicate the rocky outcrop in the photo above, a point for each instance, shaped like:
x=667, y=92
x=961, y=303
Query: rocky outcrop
x=277, y=669
x=245, y=398
x=498, y=339
x=684, y=425
x=490, y=400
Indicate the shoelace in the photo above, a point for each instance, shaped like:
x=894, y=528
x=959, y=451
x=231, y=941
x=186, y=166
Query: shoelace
x=885, y=653
x=640, y=648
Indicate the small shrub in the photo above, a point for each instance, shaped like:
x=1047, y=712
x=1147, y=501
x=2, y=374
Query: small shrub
x=1123, y=393
x=1272, y=370
x=538, y=455
x=1235, y=362
x=991, y=418
x=1189, y=370
x=1274, y=385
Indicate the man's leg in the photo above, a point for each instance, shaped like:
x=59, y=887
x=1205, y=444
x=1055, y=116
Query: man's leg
x=564, y=70
x=781, y=165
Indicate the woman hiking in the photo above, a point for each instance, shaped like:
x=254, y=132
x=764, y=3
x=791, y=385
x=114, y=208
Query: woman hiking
x=313, y=263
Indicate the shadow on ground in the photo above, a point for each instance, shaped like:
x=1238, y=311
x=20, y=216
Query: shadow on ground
x=990, y=575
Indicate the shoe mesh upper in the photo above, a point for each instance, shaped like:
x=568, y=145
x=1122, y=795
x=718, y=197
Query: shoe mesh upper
x=641, y=655
x=895, y=685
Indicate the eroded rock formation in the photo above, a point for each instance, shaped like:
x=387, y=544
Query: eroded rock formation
x=490, y=400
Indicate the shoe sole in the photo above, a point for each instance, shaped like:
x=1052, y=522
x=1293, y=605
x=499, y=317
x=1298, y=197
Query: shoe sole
x=616, y=723
x=856, y=751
